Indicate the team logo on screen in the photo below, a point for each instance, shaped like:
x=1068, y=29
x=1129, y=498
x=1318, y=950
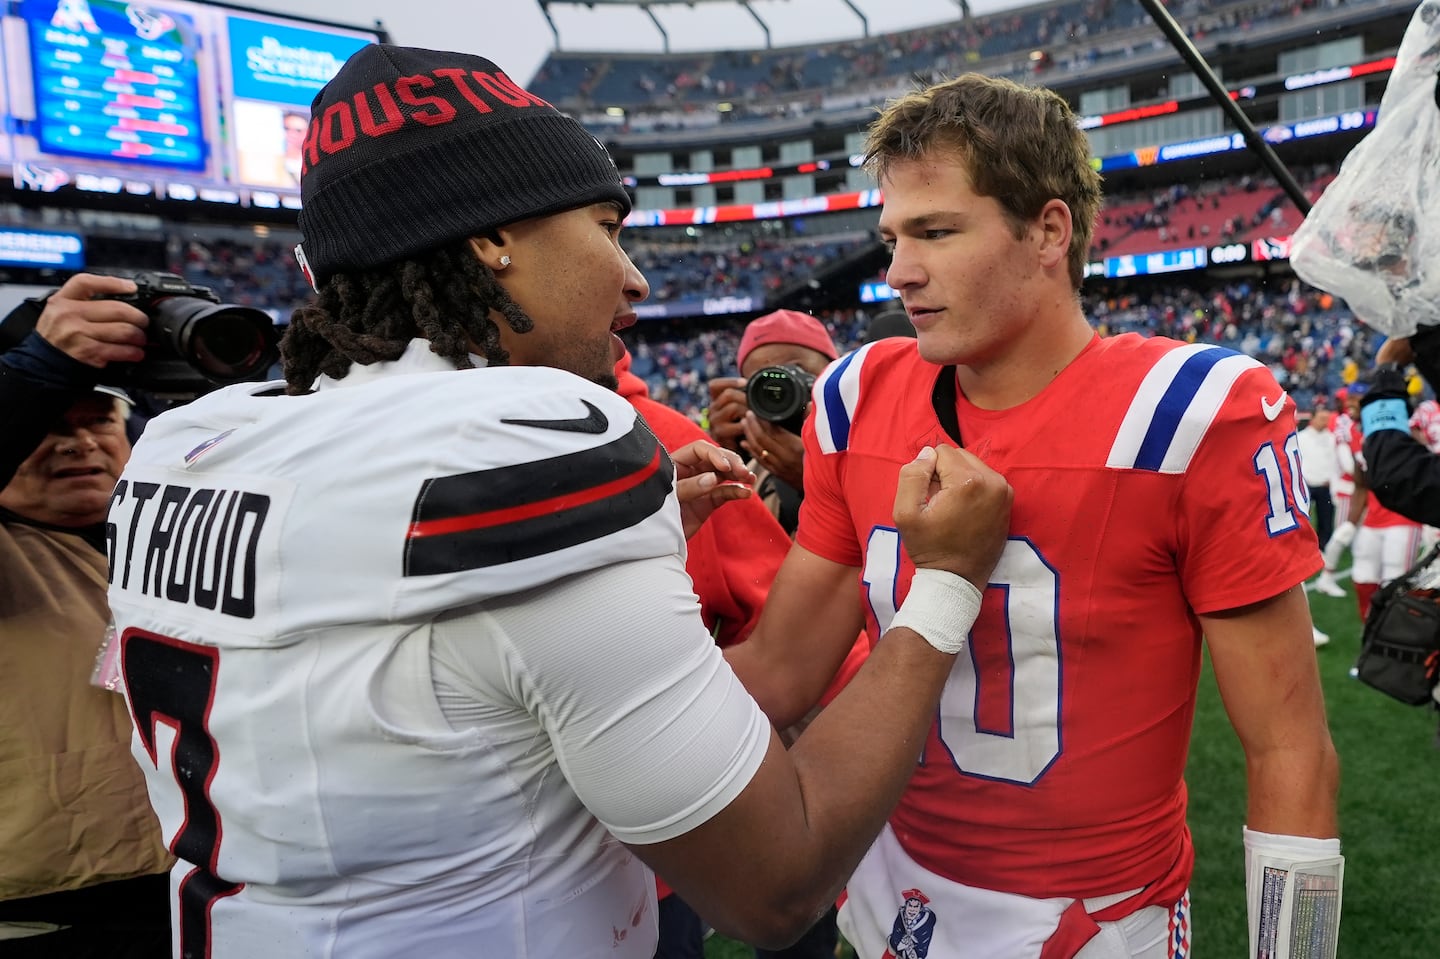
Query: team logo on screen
x=44, y=179
x=148, y=24
x=74, y=15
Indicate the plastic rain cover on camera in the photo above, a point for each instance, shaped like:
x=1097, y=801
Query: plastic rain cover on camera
x=1373, y=237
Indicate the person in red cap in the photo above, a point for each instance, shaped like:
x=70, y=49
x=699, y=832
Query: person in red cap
x=785, y=338
x=732, y=561
x=795, y=340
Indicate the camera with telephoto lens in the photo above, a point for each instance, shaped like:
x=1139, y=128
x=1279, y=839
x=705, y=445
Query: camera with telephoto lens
x=781, y=395
x=194, y=342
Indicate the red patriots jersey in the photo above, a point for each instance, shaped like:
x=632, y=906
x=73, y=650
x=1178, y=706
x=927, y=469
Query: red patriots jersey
x=1055, y=764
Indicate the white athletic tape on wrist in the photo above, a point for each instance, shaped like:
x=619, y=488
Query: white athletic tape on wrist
x=1293, y=888
x=941, y=607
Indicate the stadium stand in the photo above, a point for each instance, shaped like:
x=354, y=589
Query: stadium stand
x=1042, y=41
x=1306, y=337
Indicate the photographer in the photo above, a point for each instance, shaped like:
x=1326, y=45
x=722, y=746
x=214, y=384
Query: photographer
x=1404, y=474
x=799, y=344
x=84, y=870
x=779, y=356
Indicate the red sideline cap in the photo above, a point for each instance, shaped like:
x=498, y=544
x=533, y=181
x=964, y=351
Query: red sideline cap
x=785, y=326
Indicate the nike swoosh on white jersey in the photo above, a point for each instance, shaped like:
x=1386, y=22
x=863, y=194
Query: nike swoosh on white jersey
x=1272, y=411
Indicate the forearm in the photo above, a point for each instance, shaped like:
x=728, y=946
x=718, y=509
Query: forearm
x=769, y=673
x=770, y=884
x=809, y=624
x=1293, y=852
x=1265, y=669
x=839, y=783
x=1292, y=791
x=870, y=738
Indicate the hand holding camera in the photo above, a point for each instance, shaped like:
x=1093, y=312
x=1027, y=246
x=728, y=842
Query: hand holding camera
x=727, y=411
x=155, y=331
x=776, y=448
x=84, y=321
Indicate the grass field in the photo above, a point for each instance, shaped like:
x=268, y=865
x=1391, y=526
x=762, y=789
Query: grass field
x=1389, y=814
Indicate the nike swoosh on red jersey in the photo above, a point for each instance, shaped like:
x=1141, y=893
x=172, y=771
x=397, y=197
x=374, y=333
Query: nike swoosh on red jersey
x=1271, y=412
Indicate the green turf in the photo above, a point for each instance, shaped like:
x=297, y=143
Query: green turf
x=1389, y=811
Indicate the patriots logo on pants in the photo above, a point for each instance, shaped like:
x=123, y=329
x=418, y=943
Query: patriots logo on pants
x=914, y=927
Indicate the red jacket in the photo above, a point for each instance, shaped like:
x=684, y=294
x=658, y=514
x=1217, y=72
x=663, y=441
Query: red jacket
x=734, y=557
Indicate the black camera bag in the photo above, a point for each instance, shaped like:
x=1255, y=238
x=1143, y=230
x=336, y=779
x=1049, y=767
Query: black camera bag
x=1400, y=647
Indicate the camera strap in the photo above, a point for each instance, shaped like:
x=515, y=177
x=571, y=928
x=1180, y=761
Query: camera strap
x=945, y=397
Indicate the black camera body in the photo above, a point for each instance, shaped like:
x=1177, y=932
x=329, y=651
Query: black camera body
x=194, y=342
x=781, y=395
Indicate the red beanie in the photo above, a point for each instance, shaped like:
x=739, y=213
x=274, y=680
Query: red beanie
x=785, y=326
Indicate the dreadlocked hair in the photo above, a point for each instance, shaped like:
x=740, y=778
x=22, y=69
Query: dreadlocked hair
x=444, y=295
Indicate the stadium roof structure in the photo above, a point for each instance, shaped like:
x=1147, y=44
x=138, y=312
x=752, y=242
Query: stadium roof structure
x=748, y=6
x=1157, y=10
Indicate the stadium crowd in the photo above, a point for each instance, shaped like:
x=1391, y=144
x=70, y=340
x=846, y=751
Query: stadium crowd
x=680, y=90
x=1311, y=341
x=764, y=259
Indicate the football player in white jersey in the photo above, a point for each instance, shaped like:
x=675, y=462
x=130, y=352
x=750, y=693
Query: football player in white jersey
x=413, y=659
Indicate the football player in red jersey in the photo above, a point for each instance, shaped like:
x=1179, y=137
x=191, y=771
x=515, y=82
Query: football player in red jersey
x=1046, y=816
x=1383, y=542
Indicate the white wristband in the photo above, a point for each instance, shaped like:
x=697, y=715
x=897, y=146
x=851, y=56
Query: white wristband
x=941, y=607
x=1292, y=847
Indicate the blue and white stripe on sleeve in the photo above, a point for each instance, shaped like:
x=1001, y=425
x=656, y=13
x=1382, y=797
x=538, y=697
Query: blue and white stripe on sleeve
x=1174, y=407
x=835, y=394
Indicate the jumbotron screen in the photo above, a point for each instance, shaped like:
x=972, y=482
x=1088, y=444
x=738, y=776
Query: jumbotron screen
x=171, y=100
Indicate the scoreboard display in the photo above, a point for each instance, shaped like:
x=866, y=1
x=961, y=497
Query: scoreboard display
x=113, y=80
x=173, y=100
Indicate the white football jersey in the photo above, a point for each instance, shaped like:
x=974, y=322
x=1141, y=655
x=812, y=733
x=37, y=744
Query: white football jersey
x=277, y=565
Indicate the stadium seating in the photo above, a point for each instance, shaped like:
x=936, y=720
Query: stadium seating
x=1303, y=335
x=1065, y=37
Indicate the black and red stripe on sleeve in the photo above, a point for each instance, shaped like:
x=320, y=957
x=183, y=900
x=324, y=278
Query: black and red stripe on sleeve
x=495, y=516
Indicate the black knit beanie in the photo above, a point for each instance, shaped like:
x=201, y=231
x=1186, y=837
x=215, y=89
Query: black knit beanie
x=411, y=149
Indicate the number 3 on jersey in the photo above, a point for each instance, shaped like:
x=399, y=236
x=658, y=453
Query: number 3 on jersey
x=1021, y=679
